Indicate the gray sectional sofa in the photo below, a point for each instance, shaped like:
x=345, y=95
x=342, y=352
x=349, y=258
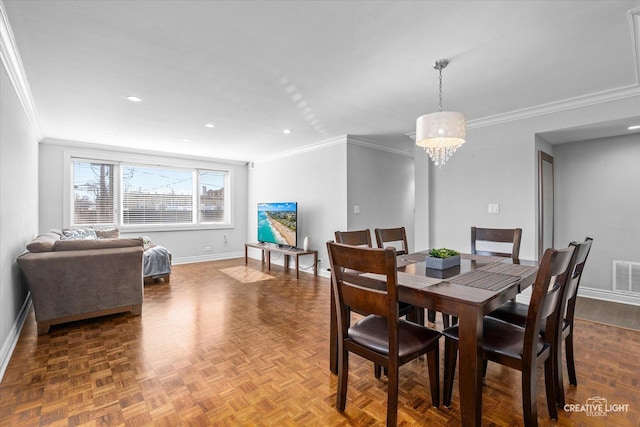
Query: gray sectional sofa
x=74, y=279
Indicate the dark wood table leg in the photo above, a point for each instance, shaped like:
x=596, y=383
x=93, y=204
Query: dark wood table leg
x=268, y=260
x=246, y=255
x=470, y=374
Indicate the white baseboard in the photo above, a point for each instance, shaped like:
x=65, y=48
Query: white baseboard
x=608, y=295
x=205, y=258
x=599, y=294
x=10, y=342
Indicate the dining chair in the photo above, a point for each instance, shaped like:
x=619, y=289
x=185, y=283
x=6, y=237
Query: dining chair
x=355, y=238
x=396, y=236
x=363, y=238
x=516, y=313
x=365, y=279
x=522, y=348
x=486, y=236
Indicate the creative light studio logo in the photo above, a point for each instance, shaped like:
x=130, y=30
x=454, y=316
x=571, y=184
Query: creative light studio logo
x=596, y=407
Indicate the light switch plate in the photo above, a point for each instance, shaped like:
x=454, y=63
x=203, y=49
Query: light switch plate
x=494, y=208
x=356, y=209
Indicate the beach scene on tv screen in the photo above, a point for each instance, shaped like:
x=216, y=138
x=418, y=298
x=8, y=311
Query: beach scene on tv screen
x=277, y=223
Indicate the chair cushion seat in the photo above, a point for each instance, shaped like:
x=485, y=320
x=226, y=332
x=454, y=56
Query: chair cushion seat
x=512, y=312
x=373, y=332
x=516, y=313
x=500, y=337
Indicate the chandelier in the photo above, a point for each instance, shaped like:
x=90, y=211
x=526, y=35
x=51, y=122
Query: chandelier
x=441, y=133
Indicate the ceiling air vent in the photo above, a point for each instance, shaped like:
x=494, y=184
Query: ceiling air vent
x=626, y=276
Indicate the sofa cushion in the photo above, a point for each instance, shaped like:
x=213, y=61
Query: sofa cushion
x=110, y=233
x=78, y=233
x=74, y=245
x=43, y=243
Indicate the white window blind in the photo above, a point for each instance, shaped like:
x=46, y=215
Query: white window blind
x=212, y=196
x=93, y=193
x=154, y=195
x=111, y=192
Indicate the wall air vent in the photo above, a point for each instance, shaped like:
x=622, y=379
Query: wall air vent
x=626, y=276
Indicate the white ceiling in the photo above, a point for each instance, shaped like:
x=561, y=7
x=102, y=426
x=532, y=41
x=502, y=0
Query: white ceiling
x=320, y=68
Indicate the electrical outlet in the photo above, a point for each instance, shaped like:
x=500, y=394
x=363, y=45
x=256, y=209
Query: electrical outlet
x=494, y=208
x=207, y=248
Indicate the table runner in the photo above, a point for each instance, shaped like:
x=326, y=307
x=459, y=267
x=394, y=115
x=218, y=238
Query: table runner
x=483, y=258
x=484, y=280
x=416, y=281
x=509, y=269
x=406, y=279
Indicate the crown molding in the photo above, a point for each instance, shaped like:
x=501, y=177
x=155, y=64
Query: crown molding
x=364, y=142
x=558, y=106
x=553, y=107
x=305, y=149
x=109, y=150
x=13, y=64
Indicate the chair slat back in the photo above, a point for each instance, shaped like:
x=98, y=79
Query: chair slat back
x=497, y=235
x=582, y=252
x=364, y=279
x=393, y=235
x=546, y=294
x=355, y=238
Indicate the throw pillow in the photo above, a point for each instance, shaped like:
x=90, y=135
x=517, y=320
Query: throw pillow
x=78, y=234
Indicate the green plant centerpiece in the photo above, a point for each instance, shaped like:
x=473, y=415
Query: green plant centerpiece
x=442, y=258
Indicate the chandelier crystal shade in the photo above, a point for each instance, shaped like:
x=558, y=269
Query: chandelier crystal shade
x=441, y=133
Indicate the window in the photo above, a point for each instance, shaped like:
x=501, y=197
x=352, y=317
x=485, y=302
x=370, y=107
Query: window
x=93, y=193
x=132, y=195
x=212, y=200
x=154, y=195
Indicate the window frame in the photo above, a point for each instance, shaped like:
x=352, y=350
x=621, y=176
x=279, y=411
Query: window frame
x=71, y=189
x=195, y=166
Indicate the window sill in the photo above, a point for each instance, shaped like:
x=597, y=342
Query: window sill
x=172, y=227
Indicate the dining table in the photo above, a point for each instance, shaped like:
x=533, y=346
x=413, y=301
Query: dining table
x=469, y=291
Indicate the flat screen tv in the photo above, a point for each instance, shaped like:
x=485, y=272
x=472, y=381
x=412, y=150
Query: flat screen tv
x=278, y=223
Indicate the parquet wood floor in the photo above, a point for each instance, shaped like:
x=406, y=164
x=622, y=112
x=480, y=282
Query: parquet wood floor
x=217, y=349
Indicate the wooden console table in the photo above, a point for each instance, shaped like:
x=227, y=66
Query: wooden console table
x=287, y=252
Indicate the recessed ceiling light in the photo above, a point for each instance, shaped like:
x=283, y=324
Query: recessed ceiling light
x=134, y=98
x=209, y=125
x=634, y=127
x=286, y=131
x=185, y=140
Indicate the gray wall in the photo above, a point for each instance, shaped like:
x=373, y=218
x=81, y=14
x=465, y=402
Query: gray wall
x=380, y=182
x=185, y=245
x=498, y=164
x=18, y=209
x=597, y=187
x=315, y=178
